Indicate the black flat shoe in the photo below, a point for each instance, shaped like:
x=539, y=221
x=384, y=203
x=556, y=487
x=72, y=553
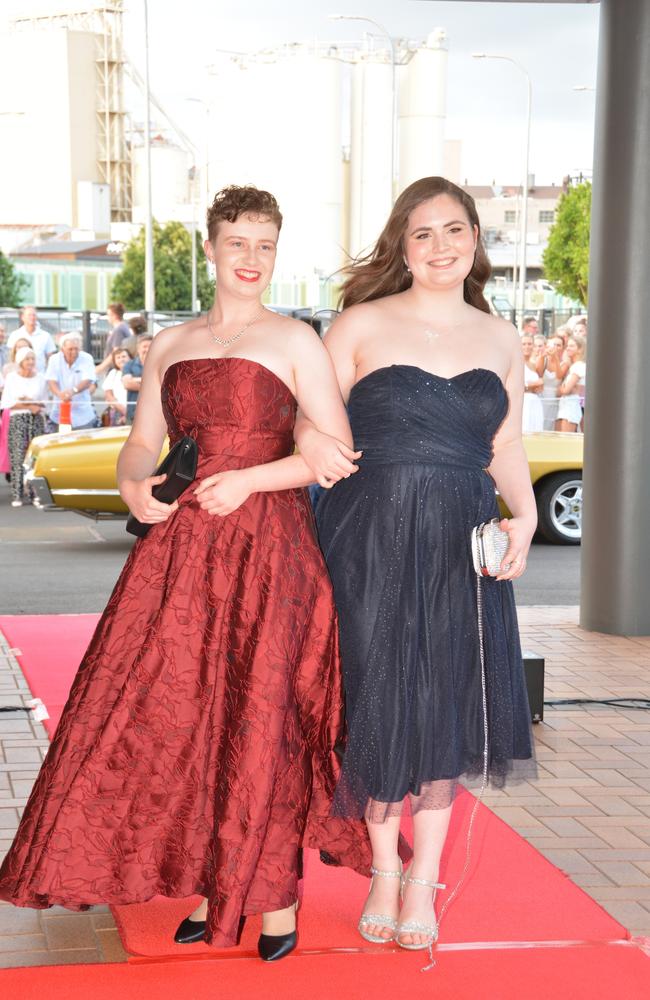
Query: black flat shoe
x=189, y=931
x=272, y=947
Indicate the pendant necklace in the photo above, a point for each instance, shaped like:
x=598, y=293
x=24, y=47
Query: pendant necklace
x=240, y=333
x=430, y=334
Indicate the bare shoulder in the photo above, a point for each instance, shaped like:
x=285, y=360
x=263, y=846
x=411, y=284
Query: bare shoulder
x=364, y=312
x=289, y=328
x=172, y=341
x=164, y=339
x=497, y=327
x=298, y=338
x=353, y=323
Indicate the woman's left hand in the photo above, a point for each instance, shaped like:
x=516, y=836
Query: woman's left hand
x=520, y=534
x=224, y=492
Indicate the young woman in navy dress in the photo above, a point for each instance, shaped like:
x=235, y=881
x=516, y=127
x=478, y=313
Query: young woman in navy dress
x=434, y=387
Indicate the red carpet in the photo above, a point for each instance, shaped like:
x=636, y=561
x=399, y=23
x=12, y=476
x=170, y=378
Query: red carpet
x=520, y=928
x=51, y=648
x=533, y=902
x=592, y=972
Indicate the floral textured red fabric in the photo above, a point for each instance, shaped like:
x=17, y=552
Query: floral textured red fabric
x=196, y=750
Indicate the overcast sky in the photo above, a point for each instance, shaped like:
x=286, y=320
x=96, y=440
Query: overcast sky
x=556, y=43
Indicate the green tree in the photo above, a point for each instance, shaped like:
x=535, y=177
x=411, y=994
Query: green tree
x=566, y=258
x=172, y=252
x=12, y=285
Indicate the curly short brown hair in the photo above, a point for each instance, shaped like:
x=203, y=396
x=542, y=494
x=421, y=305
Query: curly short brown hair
x=233, y=201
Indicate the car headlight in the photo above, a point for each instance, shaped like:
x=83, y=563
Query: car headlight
x=28, y=462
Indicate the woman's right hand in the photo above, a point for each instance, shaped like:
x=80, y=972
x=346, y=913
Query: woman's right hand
x=137, y=495
x=327, y=457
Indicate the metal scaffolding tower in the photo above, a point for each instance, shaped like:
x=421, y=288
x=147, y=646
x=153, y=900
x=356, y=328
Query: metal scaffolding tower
x=104, y=21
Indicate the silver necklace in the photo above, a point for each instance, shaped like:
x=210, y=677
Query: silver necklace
x=430, y=334
x=240, y=333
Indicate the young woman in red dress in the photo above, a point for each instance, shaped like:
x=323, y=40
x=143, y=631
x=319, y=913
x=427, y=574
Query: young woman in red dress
x=196, y=751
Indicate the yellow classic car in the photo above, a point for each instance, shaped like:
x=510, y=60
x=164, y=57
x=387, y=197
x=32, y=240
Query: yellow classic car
x=76, y=471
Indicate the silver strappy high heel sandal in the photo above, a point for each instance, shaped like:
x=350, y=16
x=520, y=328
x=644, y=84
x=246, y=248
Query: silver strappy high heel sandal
x=379, y=918
x=416, y=926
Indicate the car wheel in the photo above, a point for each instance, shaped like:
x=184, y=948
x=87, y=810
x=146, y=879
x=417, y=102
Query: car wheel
x=559, y=508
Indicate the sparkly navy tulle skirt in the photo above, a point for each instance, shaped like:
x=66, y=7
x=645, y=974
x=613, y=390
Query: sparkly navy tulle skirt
x=396, y=538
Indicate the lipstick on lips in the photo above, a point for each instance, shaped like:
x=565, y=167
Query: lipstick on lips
x=443, y=262
x=249, y=276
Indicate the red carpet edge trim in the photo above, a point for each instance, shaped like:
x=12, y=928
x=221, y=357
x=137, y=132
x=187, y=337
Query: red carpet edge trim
x=639, y=943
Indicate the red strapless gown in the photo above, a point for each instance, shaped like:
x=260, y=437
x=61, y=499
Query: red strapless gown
x=196, y=750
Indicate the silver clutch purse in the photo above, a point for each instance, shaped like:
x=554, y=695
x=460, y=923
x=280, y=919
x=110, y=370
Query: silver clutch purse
x=489, y=546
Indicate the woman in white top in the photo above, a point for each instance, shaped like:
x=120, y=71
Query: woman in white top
x=114, y=391
x=552, y=367
x=11, y=365
x=572, y=390
x=24, y=395
x=539, y=346
x=5, y=416
x=533, y=413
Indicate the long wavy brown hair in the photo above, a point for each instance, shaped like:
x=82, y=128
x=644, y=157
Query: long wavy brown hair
x=383, y=271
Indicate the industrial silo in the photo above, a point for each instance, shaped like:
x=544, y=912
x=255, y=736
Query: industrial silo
x=370, y=148
x=291, y=144
x=422, y=109
x=170, y=185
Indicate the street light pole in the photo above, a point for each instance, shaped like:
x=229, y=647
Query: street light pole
x=391, y=43
x=193, y=306
x=524, y=199
x=149, y=286
x=524, y=213
x=195, y=199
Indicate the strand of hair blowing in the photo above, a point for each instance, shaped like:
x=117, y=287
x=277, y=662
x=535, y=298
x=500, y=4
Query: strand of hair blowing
x=383, y=272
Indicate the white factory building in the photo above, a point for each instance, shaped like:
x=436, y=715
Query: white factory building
x=318, y=133
x=334, y=131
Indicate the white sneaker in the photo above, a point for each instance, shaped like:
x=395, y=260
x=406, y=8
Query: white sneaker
x=16, y=503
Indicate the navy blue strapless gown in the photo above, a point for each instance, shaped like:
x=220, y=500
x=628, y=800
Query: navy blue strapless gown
x=396, y=538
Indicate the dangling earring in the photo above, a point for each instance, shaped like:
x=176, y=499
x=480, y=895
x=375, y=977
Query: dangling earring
x=406, y=265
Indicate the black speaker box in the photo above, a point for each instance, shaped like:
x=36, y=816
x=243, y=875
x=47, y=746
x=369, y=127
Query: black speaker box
x=534, y=672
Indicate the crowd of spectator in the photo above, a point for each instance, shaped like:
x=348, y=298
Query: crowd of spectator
x=39, y=373
x=555, y=371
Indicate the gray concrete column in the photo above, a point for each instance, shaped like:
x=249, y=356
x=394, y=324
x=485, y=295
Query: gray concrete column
x=616, y=527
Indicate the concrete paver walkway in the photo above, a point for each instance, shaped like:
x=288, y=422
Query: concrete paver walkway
x=588, y=811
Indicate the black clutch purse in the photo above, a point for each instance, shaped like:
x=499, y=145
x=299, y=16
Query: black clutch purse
x=179, y=465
